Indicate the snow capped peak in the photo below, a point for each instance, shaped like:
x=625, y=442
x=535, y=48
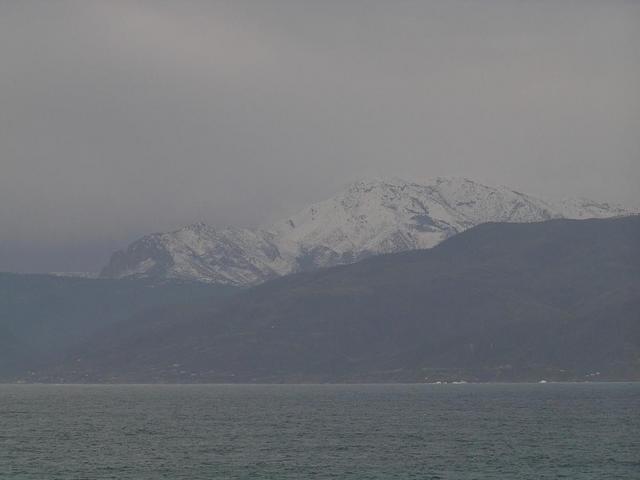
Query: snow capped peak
x=384, y=216
x=197, y=227
x=369, y=217
x=581, y=208
x=378, y=182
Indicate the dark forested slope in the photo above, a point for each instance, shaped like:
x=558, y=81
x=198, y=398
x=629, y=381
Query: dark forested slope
x=42, y=315
x=554, y=300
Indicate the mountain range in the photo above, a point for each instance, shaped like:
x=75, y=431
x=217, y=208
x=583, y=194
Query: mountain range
x=554, y=300
x=368, y=218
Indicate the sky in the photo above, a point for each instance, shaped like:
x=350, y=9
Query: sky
x=121, y=118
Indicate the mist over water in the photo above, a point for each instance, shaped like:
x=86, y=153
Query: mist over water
x=586, y=431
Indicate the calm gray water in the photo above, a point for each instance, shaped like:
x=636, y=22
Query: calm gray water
x=575, y=431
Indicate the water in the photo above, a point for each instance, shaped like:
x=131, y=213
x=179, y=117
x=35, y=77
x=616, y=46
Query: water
x=575, y=431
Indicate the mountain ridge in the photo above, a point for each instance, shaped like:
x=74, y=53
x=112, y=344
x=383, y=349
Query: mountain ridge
x=554, y=300
x=368, y=218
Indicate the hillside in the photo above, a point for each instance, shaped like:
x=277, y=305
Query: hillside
x=503, y=302
x=43, y=314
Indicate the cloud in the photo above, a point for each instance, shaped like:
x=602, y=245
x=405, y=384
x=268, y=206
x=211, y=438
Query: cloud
x=121, y=118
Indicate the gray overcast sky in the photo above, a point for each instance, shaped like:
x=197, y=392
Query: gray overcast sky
x=122, y=118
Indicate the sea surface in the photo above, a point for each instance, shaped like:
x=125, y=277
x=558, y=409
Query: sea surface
x=573, y=431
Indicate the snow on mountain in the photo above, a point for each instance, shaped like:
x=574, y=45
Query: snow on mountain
x=581, y=208
x=390, y=216
x=233, y=256
x=74, y=274
x=368, y=218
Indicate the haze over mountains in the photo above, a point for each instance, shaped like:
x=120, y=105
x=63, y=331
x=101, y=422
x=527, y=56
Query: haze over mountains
x=555, y=300
x=368, y=218
x=349, y=289
x=42, y=315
